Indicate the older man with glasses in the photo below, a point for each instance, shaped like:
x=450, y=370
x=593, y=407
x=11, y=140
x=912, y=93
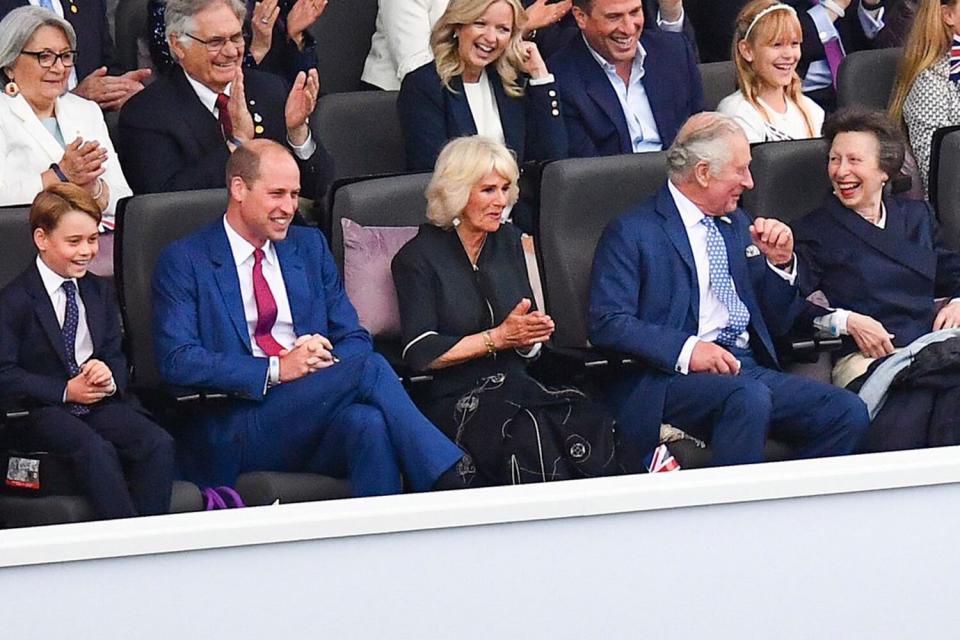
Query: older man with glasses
x=177, y=134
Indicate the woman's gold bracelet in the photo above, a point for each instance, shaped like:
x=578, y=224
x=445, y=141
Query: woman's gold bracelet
x=488, y=342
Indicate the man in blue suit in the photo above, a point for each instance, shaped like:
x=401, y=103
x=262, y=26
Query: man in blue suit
x=255, y=308
x=623, y=89
x=695, y=291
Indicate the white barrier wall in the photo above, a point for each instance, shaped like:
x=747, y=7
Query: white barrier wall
x=838, y=548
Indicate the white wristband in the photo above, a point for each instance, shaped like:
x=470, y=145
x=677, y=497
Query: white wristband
x=274, y=370
x=833, y=6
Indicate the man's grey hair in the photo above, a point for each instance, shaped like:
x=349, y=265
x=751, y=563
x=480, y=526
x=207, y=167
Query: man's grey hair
x=178, y=17
x=704, y=137
x=18, y=27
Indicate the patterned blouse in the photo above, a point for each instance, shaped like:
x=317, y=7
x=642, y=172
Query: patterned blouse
x=933, y=102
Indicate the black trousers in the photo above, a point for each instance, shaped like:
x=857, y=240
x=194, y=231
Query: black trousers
x=122, y=460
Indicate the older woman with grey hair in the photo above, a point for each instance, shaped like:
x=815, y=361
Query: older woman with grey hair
x=468, y=318
x=46, y=134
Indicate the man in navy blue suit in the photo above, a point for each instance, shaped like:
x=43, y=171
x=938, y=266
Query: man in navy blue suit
x=695, y=291
x=623, y=89
x=60, y=357
x=254, y=307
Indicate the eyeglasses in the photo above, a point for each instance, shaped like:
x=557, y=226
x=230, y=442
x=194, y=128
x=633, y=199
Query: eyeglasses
x=214, y=45
x=47, y=59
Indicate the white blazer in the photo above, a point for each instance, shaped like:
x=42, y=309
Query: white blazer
x=402, y=40
x=27, y=149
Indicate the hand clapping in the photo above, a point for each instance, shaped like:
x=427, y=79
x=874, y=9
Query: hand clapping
x=522, y=329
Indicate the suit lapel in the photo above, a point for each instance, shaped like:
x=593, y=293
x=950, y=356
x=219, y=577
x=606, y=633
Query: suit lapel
x=599, y=89
x=460, y=108
x=888, y=241
x=194, y=116
x=660, y=101
x=225, y=273
x=673, y=227
x=32, y=126
x=94, y=310
x=295, y=280
x=43, y=308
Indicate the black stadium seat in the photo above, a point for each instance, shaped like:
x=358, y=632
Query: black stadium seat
x=578, y=198
x=946, y=196
x=145, y=225
x=17, y=242
x=719, y=81
x=790, y=178
x=16, y=253
x=867, y=78
x=361, y=130
x=396, y=201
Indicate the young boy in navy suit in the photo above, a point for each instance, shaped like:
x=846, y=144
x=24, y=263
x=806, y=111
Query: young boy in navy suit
x=60, y=356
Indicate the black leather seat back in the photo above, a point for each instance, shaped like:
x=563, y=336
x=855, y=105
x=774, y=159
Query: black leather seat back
x=948, y=188
x=719, y=81
x=16, y=243
x=145, y=225
x=579, y=197
x=398, y=201
x=790, y=179
x=867, y=78
x=361, y=130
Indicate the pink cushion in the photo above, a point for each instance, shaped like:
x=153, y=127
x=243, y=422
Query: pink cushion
x=367, y=254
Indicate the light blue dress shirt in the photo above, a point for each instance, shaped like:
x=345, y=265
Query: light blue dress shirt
x=818, y=73
x=644, y=135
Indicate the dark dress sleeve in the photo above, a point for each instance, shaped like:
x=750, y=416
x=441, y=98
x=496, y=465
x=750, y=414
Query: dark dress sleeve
x=418, y=289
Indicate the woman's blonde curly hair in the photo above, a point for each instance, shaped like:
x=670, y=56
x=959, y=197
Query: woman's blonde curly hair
x=445, y=43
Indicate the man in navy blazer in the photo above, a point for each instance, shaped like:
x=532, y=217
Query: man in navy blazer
x=255, y=308
x=95, y=46
x=61, y=359
x=624, y=89
x=694, y=290
x=173, y=135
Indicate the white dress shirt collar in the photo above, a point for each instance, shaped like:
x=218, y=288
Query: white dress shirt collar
x=242, y=250
x=690, y=213
x=636, y=71
x=208, y=97
x=52, y=280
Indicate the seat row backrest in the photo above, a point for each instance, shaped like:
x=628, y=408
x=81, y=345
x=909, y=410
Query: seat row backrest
x=146, y=224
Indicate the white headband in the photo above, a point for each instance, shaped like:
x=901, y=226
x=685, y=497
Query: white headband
x=770, y=9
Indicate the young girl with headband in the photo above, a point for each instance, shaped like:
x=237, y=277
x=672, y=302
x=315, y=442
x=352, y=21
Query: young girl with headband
x=769, y=104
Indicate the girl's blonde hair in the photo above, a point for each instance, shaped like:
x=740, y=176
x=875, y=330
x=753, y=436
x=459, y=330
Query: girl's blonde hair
x=444, y=40
x=774, y=26
x=929, y=40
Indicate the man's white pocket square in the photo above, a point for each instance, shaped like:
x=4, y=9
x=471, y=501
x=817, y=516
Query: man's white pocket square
x=752, y=251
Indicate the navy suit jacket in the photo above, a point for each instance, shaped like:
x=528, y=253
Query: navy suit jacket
x=200, y=331
x=170, y=142
x=594, y=118
x=849, y=28
x=645, y=302
x=94, y=42
x=431, y=115
x=891, y=274
x=33, y=361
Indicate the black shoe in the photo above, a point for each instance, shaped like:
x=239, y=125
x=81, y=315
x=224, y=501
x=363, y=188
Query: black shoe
x=459, y=476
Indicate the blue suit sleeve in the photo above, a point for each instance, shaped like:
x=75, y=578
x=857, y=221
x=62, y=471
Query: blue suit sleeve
x=344, y=330
x=182, y=357
x=546, y=133
x=16, y=383
x=615, y=319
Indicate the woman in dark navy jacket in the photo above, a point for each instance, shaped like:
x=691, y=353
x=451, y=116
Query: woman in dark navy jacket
x=880, y=264
x=484, y=80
